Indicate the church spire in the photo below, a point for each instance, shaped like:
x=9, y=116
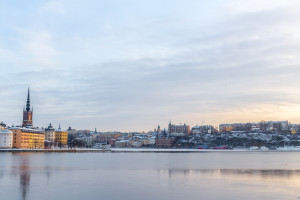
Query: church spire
x=28, y=101
x=27, y=112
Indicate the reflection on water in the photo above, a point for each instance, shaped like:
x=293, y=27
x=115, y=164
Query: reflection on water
x=238, y=172
x=24, y=171
x=263, y=172
x=147, y=176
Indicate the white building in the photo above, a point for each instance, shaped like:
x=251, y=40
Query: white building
x=88, y=141
x=6, y=139
x=50, y=133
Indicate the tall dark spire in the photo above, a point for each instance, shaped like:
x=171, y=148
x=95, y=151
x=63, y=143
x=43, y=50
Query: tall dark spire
x=27, y=112
x=28, y=101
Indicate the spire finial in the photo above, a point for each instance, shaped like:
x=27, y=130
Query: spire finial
x=28, y=101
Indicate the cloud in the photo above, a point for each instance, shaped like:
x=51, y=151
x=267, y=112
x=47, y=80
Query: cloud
x=38, y=47
x=54, y=7
x=240, y=64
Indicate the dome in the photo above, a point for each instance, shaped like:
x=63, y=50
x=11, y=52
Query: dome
x=5, y=131
x=50, y=128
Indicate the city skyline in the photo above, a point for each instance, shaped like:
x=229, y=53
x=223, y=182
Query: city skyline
x=180, y=128
x=131, y=66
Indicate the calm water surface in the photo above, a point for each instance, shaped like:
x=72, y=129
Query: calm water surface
x=149, y=176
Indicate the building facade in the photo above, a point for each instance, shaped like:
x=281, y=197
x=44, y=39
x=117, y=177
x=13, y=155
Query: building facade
x=26, y=138
x=164, y=142
x=275, y=126
x=203, y=129
x=50, y=133
x=61, y=137
x=6, y=139
x=178, y=130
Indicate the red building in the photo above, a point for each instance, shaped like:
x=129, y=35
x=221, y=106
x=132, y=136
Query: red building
x=165, y=142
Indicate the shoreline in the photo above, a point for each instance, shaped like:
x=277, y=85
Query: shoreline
x=54, y=150
x=138, y=150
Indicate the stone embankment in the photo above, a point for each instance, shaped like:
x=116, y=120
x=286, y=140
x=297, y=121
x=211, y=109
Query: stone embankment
x=55, y=150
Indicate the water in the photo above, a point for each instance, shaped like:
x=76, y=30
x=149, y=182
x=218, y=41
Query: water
x=148, y=176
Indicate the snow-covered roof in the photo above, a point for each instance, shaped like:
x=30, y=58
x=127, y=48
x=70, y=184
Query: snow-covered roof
x=24, y=129
x=5, y=131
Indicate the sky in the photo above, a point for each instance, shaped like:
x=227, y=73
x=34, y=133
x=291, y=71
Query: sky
x=132, y=65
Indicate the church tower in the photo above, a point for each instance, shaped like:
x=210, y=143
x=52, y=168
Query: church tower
x=27, y=113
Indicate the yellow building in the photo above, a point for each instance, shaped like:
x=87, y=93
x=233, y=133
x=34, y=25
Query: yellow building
x=61, y=138
x=225, y=128
x=25, y=138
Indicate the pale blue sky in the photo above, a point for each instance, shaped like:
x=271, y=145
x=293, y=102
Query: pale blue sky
x=131, y=65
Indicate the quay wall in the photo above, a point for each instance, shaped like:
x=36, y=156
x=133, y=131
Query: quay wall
x=54, y=150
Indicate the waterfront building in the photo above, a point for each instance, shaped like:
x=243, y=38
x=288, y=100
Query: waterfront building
x=28, y=138
x=235, y=127
x=88, y=141
x=61, y=137
x=293, y=131
x=6, y=139
x=50, y=137
x=178, y=130
x=50, y=133
x=27, y=113
x=147, y=142
x=279, y=126
x=294, y=128
x=225, y=127
x=276, y=126
x=204, y=129
x=106, y=138
x=164, y=142
x=122, y=143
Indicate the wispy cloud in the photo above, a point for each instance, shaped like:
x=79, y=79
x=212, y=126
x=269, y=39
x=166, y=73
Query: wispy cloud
x=133, y=66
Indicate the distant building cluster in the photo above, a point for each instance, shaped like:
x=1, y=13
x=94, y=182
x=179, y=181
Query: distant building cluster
x=270, y=126
x=27, y=136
